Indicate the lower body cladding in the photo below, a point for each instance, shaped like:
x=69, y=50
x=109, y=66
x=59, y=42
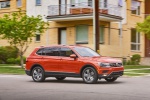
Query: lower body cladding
x=62, y=74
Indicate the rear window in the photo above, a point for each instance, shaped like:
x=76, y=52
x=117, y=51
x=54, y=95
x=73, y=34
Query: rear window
x=39, y=52
x=50, y=51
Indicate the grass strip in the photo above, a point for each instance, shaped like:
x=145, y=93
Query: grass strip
x=135, y=66
x=11, y=70
x=140, y=71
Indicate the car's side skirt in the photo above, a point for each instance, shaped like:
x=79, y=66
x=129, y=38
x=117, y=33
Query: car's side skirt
x=61, y=74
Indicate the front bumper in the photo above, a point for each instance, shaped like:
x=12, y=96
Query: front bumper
x=112, y=74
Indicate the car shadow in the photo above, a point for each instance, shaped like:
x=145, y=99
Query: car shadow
x=68, y=81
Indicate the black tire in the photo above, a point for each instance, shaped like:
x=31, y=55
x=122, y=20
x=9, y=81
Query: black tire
x=89, y=75
x=111, y=79
x=38, y=74
x=60, y=78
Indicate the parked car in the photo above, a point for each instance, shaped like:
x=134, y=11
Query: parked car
x=72, y=61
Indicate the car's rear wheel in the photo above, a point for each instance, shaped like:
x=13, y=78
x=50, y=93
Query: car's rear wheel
x=38, y=74
x=111, y=79
x=89, y=75
x=60, y=78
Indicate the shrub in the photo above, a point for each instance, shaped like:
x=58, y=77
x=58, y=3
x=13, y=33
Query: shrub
x=132, y=63
x=7, y=52
x=11, y=61
x=136, y=58
x=18, y=60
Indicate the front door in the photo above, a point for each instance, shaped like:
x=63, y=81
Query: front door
x=67, y=64
x=62, y=37
x=147, y=47
x=62, y=7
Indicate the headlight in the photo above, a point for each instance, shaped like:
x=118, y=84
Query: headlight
x=107, y=65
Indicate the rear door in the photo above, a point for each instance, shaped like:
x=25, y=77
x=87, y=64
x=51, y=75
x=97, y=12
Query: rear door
x=51, y=59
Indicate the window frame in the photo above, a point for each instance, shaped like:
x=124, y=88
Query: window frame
x=137, y=42
x=80, y=41
x=102, y=32
x=37, y=34
x=90, y=3
x=103, y=4
x=7, y=7
x=137, y=10
x=38, y=4
x=17, y=1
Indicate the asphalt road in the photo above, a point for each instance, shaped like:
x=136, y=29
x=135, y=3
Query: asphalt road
x=21, y=87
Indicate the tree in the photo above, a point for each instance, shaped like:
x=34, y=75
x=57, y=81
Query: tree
x=19, y=29
x=144, y=27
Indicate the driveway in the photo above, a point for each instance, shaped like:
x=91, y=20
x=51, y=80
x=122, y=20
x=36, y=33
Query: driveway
x=21, y=87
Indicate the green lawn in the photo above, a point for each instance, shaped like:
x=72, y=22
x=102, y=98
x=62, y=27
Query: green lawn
x=135, y=66
x=141, y=71
x=11, y=69
x=136, y=72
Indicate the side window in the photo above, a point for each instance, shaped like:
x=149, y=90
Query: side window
x=66, y=52
x=53, y=51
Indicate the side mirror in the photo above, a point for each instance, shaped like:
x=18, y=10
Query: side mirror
x=73, y=56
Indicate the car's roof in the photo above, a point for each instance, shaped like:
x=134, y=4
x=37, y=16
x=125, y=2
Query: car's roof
x=70, y=46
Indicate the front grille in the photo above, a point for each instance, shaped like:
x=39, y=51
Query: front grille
x=116, y=64
x=116, y=73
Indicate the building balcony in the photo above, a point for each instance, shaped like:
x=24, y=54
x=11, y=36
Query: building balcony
x=83, y=11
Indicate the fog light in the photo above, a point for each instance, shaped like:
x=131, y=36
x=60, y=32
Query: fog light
x=105, y=74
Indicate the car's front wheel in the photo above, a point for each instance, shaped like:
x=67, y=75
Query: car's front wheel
x=89, y=75
x=60, y=78
x=38, y=74
x=111, y=79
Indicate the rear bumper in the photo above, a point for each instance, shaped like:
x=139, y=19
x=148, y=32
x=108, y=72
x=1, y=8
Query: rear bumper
x=28, y=72
x=113, y=74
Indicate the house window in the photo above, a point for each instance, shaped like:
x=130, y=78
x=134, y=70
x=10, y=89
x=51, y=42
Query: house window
x=4, y=4
x=103, y=4
x=82, y=34
x=38, y=38
x=135, y=7
x=135, y=40
x=38, y=2
x=81, y=3
x=101, y=34
x=90, y=3
x=73, y=3
x=120, y=3
x=19, y=3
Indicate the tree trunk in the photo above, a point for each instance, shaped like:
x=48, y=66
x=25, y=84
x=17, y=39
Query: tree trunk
x=21, y=61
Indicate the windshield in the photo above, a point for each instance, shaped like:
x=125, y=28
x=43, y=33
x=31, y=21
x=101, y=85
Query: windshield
x=86, y=52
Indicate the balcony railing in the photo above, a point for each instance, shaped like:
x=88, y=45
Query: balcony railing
x=83, y=8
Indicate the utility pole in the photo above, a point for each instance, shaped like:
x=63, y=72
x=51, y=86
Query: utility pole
x=96, y=27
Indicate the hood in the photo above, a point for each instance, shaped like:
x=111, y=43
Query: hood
x=104, y=59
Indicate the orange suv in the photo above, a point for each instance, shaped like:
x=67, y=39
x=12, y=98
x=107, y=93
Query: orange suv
x=72, y=61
